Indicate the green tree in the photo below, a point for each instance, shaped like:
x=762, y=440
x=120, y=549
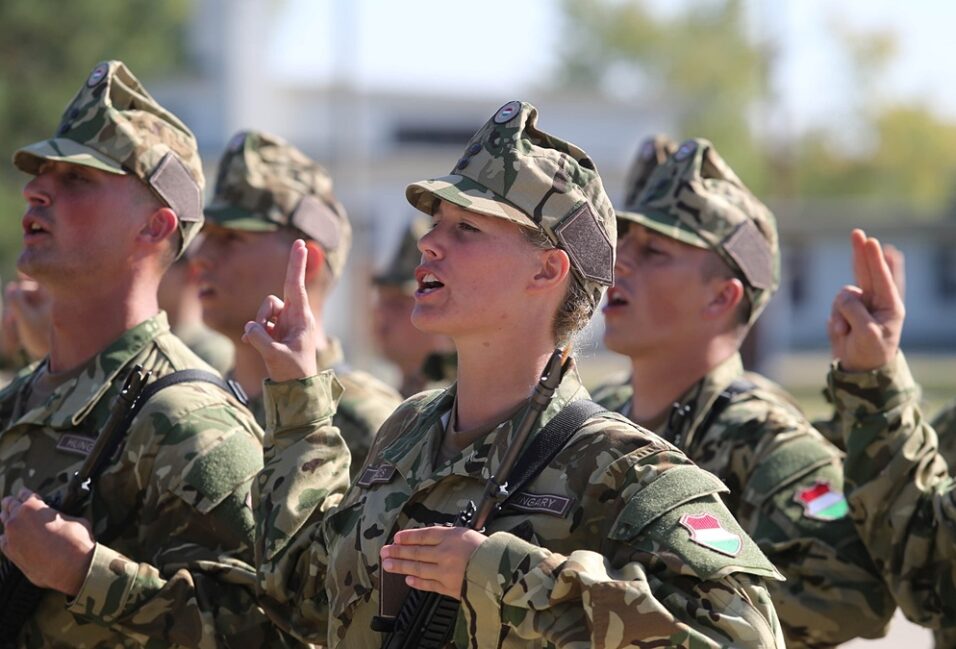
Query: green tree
x=46, y=50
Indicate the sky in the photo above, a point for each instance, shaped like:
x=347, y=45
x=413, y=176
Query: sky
x=504, y=46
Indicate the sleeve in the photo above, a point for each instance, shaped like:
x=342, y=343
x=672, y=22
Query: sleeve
x=305, y=474
x=191, y=582
x=902, y=497
x=792, y=504
x=648, y=586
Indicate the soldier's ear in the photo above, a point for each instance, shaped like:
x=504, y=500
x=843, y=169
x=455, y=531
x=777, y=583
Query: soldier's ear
x=725, y=299
x=554, y=266
x=314, y=261
x=160, y=225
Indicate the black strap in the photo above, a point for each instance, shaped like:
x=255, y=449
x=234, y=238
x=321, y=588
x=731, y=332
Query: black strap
x=188, y=376
x=548, y=442
x=737, y=386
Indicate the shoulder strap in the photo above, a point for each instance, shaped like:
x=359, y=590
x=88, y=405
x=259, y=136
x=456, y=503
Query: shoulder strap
x=548, y=442
x=737, y=386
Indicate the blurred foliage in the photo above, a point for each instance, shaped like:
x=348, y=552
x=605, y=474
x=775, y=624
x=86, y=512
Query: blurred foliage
x=47, y=48
x=699, y=60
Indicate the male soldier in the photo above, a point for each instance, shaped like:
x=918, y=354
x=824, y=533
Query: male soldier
x=426, y=361
x=615, y=540
x=901, y=492
x=161, y=555
x=697, y=262
x=268, y=194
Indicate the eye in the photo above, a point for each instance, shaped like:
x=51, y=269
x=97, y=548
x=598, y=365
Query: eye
x=467, y=227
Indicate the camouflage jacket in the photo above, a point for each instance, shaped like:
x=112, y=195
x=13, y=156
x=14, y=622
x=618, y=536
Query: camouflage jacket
x=599, y=550
x=902, y=495
x=786, y=486
x=171, y=517
x=364, y=406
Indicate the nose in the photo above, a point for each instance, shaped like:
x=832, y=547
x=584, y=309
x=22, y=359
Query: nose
x=429, y=244
x=201, y=260
x=622, y=264
x=36, y=192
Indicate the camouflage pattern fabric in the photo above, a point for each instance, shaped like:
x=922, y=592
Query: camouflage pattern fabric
x=594, y=553
x=264, y=183
x=363, y=407
x=171, y=516
x=113, y=124
x=780, y=472
x=696, y=198
x=513, y=170
x=901, y=492
x=213, y=348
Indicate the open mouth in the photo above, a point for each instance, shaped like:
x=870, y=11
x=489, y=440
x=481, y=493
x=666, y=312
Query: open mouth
x=615, y=299
x=428, y=283
x=32, y=227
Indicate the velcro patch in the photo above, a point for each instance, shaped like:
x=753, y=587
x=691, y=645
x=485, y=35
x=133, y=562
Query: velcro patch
x=177, y=188
x=541, y=503
x=751, y=251
x=588, y=245
x=75, y=444
x=377, y=474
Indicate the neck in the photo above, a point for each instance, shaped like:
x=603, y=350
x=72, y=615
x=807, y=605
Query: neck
x=659, y=379
x=493, y=380
x=185, y=312
x=84, y=322
x=249, y=370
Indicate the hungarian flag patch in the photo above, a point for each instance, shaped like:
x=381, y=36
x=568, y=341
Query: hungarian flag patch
x=706, y=530
x=821, y=502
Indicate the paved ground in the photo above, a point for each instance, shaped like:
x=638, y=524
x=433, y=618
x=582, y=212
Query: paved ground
x=902, y=635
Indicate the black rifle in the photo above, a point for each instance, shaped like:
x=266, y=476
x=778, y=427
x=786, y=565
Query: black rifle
x=426, y=620
x=19, y=597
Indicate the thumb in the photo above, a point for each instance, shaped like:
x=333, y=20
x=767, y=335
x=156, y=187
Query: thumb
x=850, y=307
x=256, y=335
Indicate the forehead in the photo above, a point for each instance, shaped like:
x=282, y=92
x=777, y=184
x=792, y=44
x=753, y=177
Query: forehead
x=631, y=232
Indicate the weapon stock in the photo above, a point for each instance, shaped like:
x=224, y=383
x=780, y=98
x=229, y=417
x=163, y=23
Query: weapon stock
x=18, y=596
x=426, y=620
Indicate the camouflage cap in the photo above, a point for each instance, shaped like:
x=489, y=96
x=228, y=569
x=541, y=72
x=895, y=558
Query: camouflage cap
x=515, y=171
x=114, y=125
x=400, y=271
x=696, y=198
x=653, y=152
x=264, y=183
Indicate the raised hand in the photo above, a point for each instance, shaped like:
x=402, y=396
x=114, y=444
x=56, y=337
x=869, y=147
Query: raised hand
x=284, y=330
x=866, y=320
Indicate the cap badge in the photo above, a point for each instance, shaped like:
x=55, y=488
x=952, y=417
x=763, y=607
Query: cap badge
x=97, y=75
x=685, y=151
x=821, y=502
x=705, y=529
x=506, y=112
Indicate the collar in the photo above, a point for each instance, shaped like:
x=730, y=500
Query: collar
x=413, y=449
x=689, y=411
x=75, y=399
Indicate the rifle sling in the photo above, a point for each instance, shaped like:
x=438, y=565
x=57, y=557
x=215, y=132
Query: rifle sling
x=547, y=443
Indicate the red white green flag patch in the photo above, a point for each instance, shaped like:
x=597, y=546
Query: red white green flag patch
x=821, y=502
x=706, y=530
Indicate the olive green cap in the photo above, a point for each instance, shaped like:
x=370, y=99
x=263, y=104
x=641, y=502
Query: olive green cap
x=400, y=271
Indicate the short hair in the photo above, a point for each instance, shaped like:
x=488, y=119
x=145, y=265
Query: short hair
x=716, y=268
x=576, y=310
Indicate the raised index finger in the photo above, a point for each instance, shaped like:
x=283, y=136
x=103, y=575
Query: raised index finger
x=884, y=293
x=294, y=295
x=861, y=268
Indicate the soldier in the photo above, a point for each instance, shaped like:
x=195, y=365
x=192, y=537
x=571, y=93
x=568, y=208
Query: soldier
x=426, y=361
x=268, y=194
x=902, y=495
x=697, y=261
x=620, y=540
x=162, y=554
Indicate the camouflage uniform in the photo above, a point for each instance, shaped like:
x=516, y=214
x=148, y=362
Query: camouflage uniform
x=363, y=407
x=901, y=492
x=785, y=480
x=171, y=516
x=597, y=551
x=438, y=370
x=265, y=184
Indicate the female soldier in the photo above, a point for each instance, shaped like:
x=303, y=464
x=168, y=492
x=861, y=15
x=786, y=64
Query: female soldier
x=619, y=540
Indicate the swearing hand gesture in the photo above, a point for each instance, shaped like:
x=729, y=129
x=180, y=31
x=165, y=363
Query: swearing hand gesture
x=284, y=330
x=867, y=319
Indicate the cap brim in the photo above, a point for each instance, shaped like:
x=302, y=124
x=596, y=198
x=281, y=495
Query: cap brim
x=235, y=218
x=665, y=224
x=30, y=157
x=465, y=193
